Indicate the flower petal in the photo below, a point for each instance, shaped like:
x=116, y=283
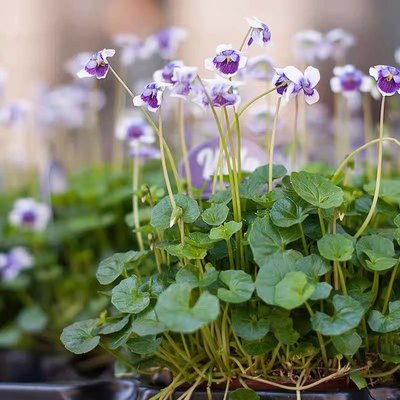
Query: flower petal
x=312, y=75
x=313, y=98
x=293, y=74
x=83, y=74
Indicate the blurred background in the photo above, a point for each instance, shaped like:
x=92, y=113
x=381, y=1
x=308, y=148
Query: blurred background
x=37, y=37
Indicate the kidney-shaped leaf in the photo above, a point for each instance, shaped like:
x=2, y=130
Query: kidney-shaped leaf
x=336, y=247
x=216, y=214
x=347, y=315
x=247, y=325
x=127, y=297
x=348, y=343
x=244, y=394
x=79, y=337
x=240, y=284
x=316, y=190
x=174, y=309
x=225, y=231
x=385, y=323
x=285, y=212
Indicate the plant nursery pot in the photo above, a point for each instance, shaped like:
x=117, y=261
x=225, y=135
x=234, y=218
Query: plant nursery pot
x=101, y=390
x=379, y=393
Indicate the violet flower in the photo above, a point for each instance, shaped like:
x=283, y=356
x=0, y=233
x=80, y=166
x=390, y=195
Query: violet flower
x=337, y=42
x=77, y=62
x=151, y=96
x=166, y=74
x=30, y=214
x=145, y=153
x=135, y=131
x=183, y=81
x=348, y=79
x=13, y=262
x=308, y=46
x=388, y=79
x=280, y=81
x=259, y=68
x=221, y=92
x=132, y=48
x=227, y=62
x=165, y=43
x=98, y=65
x=260, y=33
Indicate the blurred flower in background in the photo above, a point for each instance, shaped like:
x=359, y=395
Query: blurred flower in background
x=13, y=262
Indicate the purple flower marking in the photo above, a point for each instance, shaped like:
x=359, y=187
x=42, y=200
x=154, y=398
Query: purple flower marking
x=388, y=79
x=221, y=92
x=260, y=33
x=166, y=75
x=135, y=130
x=166, y=42
x=184, y=79
x=13, y=262
x=30, y=214
x=151, y=96
x=348, y=79
x=227, y=61
x=98, y=65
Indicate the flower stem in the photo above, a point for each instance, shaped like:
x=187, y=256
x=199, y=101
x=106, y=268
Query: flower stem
x=321, y=221
x=186, y=163
x=260, y=96
x=135, y=201
x=245, y=39
x=163, y=163
x=293, y=148
x=367, y=131
x=303, y=239
x=389, y=288
x=272, y=144
x=378, y=173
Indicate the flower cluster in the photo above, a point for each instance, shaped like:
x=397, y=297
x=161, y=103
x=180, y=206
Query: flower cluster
x=30, y=214
x=14, y=262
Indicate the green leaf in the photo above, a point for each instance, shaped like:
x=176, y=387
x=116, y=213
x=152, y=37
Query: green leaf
x=216, y=214
x=282, y=327
x=389, y=190
x=118, y=339
x=273, y=270
x=247, y=325
x=112, y=325
x=316, y=190
x=347, y=315
x=358, y=379
x=285, y=212
x=127, y=298
x=144, y=344
x=293, y=290
x=240, y=284
x=147, y=323
x=376, y=253
x=244, y=394
x=390, y=352
x=174, y=309
x=260, y=346
x=190, y=274
x=348, y=343
x=112, y=267
x=266, y=239
x=336, y=247
x=10, y=336
x=225, y=231
x=200, y=239
x=186, y=251
x=162, y=211
x=32, y=319
x=385, y=323
x=78, y=337
x=322, y=290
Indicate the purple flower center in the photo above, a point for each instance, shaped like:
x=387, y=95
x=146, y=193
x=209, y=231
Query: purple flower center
x=389, y=79
x=227, y=61
x=97, y=65
x=351, y=81
x=28, y=217
x=134, y=132
x=149, y=95
x=282, y=80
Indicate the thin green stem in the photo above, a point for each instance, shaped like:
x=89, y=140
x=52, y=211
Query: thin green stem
x=260, y=96
x=135, y=201
x=245, y=39
x=390, y=287
x=272, y=144
x=303, y=239
x=230, y=254
x=181, y=118
x=293, y=149
x=321, y=221
x=378, y=174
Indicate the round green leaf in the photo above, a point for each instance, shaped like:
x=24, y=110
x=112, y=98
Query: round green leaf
x=336, y=247
x=293, y=290
x=144, y=344
x=347, y=315
x=216, y=214
x=285, y=212
x=162, y=211
x=225, y=231
x=240, y=284
x=185, y=250
x=32, y=319
x=147, y=323
x=78, y=337
x=348, y=343
x=316, y=190
x=174, y=309
x=247, y=325
x=127, y=298
x=385, y=323
x=273, y=270
x=244, y=394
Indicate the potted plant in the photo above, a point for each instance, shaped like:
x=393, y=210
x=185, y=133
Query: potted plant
x=274, y=283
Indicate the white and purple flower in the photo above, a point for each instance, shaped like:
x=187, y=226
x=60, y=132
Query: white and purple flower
x=167, y=73
x=348, y=79
x=227, y=62
x=387, y=78
x=259, y=68
x=260, y=33
x=77, y=62
x=133, y=48
x=337, y=42
x=30, y=214
x=183, y=81
x=221, y=92
x=145, y=153
x=166, y=42
x=135, y=131
x=295, y=82
x=309, y=46
x=151, y=96
x=97, y=65
x=13, y=262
